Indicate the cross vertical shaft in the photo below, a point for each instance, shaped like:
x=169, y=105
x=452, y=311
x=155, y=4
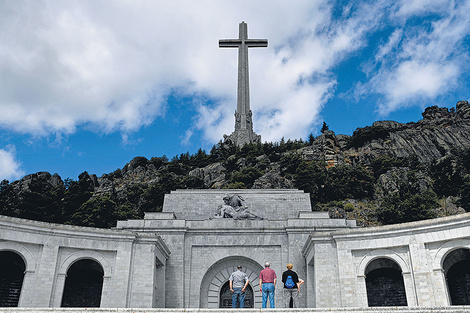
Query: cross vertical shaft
x=243, y=122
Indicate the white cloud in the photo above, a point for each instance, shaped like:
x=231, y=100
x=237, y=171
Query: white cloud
x=407, y=8
x=285, y=99
x=413, y=80
x=186, y=137
x=422, y=61
x=10, y=167
x=112, y=64
x=391, y=45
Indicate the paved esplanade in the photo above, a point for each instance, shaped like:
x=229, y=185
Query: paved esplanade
x=243, y=122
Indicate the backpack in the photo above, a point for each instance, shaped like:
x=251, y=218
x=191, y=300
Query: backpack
x=289, y=282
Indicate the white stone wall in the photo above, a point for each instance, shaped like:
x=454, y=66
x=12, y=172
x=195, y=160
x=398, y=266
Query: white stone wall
x=272, y=204
x=49, y=250
x=198, y=245
x=419, y=248
x=166, y=261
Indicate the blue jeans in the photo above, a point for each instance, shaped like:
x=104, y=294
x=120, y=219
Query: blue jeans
x=238, y=296
x=268, y=290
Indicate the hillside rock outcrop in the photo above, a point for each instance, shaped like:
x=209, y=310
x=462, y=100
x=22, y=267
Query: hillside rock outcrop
x=439, y=132
x=143, y=182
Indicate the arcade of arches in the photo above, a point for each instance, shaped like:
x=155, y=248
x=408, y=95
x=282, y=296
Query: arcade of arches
x=83, y=284
x=166, y=262
x=385, y=285
x=384, y=281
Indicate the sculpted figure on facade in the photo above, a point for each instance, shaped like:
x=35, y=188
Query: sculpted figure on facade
x=238, y=120
x=234, y=207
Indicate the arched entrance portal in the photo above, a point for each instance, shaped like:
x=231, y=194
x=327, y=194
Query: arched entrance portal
x=12, y=269
x=384, y=283
x=457, y=272
x=226, y=297
x=213, y=293
x=83, y=285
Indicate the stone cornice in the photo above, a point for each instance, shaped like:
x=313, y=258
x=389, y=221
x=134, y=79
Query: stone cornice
x=68, y=231
x=403, y=229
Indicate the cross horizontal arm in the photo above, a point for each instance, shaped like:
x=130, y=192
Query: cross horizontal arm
x=229, y=43
x=256, y=42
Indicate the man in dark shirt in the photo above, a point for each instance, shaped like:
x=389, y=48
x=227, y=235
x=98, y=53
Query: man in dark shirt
x=291, y=287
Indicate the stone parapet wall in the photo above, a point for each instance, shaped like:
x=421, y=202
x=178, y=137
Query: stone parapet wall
x=271, y=204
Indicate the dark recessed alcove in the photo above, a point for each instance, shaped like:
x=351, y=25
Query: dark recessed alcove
x=457, y=269
x=83, y=284
x=12, y=268
x=384, y=283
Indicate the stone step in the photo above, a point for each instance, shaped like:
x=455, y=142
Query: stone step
x=452, y=309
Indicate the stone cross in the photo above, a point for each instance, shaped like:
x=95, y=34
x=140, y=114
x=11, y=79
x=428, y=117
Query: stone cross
x=243, y=123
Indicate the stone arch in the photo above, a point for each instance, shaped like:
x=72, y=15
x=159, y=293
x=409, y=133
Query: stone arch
x=84, y=284
x=219, y=273
x=382, y=253
x=456, y=266
x=74, y=257
x=445, y=249
x=23, y=252
x=439, y=275
x=12, y=270
x=86, y=254
x=384, y=283
x=30, y=265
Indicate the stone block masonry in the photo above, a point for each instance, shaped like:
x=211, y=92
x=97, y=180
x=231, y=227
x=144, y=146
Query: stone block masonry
x=180, y=258
x=271, y=204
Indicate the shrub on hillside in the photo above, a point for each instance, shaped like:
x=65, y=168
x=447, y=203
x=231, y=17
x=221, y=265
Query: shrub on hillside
x=407, y=207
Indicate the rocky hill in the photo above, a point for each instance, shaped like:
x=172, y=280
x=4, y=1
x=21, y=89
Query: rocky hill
x=359, y=176
x=439, y=133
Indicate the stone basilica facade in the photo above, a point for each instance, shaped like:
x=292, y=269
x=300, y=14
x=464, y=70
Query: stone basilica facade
x=182, y=257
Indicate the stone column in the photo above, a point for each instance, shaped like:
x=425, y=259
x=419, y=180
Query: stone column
x=45, y=281
x=119, y=296
x=440, y=289
x=27, y=289
x=160, y=283
x=361, y=291
x=58, y=290
x=106, y=292
x=309, y=286
x=409, y=289
x=347, y=278
x=328, y=277
x=175, y=276
x=419, y=292
x=143, y=276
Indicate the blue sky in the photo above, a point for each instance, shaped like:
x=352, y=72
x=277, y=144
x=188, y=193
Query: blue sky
x=88, y=85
